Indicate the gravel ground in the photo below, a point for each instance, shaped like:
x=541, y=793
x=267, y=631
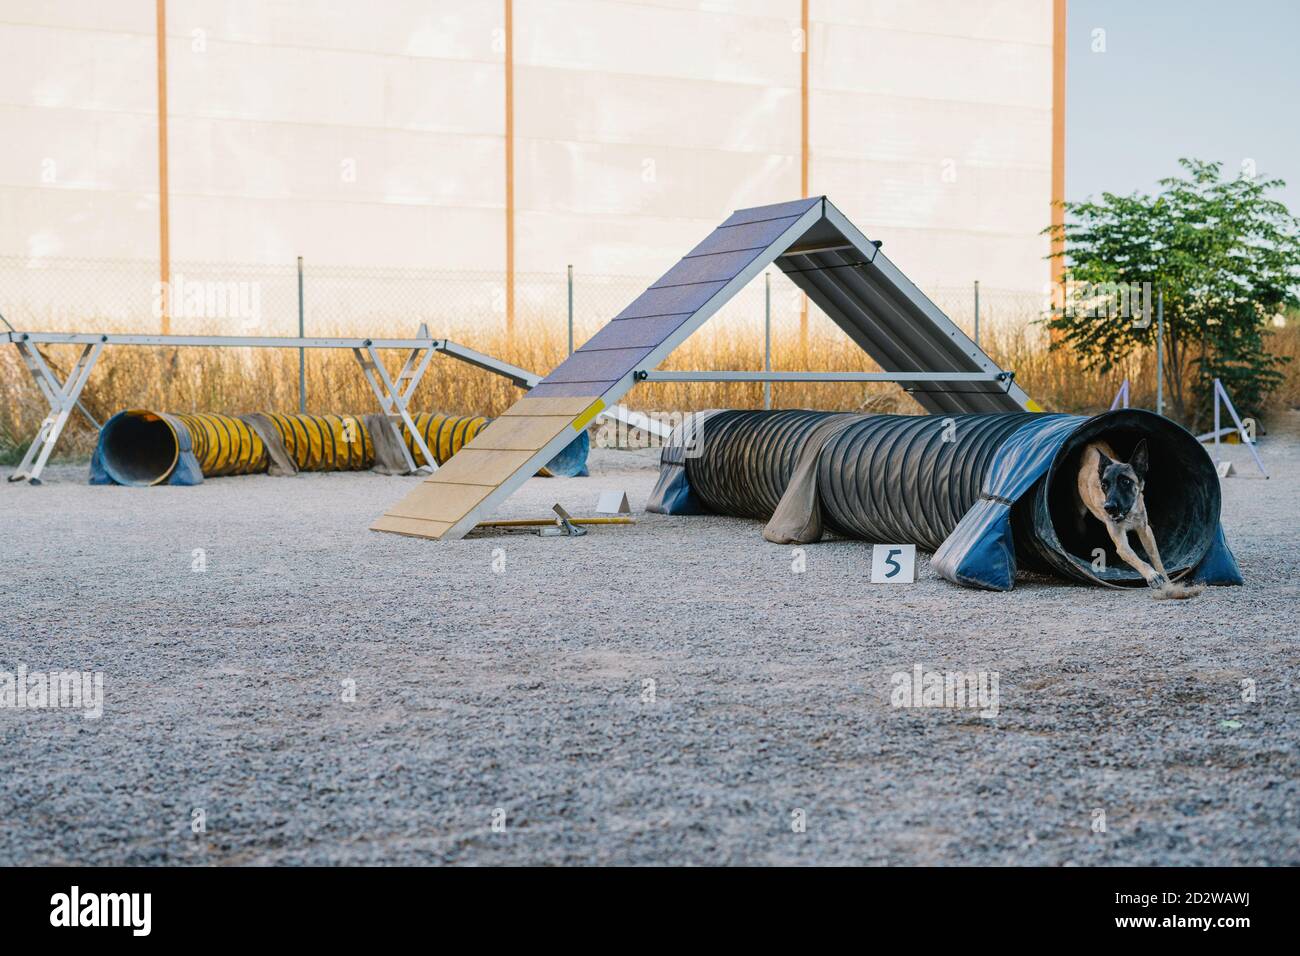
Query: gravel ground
x=507, y=675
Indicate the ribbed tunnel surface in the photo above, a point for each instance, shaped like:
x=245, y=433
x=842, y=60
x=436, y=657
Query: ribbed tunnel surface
x=914, y=479
x=141, y=447
x=939, y=462
x=747, y=459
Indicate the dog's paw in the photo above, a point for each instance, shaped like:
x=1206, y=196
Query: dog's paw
x=1170, y=591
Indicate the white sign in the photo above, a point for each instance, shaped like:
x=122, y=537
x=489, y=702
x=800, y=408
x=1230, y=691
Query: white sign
x=613, y=503
x=893, y=564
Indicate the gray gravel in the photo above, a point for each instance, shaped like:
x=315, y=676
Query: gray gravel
x=525, y=690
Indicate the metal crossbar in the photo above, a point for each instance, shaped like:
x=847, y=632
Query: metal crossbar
x=219, y=341
x=654, y=375
x=393, y=395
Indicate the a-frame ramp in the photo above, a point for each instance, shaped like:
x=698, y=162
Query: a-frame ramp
x=842, y=271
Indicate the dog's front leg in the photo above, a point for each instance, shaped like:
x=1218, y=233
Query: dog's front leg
x=1167, y=589
x=1152, y=577
x=1148, y=539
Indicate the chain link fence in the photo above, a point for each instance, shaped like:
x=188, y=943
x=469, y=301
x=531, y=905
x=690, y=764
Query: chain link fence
x=205, y=298
x=125, y=295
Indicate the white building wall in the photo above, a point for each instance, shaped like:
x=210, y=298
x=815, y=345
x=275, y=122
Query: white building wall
x=361, y=133
x=78, y=166
x=931, y=128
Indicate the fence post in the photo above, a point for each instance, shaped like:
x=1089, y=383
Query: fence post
x=767, y=337
x=1160, y=353
x=570, y=309
x=977, y=312
x=302, y=353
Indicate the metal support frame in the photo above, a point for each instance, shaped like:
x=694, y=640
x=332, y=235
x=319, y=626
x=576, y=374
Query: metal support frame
x=1006, y=378
x=1122, y=396
x=62, y=397
x=1221, y=398
x=519, y=376
x=393, y=395
x=230, y=341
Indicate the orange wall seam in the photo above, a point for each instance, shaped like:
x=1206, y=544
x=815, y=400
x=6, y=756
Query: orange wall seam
x=803, y=145
x=510, y=168
x=1058, y=141
x=164, y=224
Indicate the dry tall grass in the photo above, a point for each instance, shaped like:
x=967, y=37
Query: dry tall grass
x=243, y=380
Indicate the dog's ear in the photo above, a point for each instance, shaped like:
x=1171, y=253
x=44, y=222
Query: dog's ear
x=1140, y=460
x=1102, y=464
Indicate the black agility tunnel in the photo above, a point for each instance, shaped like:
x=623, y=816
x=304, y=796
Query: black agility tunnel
x=988, y=494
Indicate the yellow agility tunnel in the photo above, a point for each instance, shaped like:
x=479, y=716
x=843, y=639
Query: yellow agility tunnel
x=140, y=447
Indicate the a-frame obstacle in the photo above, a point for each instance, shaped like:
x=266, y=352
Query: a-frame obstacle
x=824, y=254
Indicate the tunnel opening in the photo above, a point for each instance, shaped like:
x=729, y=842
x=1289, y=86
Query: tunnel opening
x=138, y=448
x=1181, y=492
x=572, y=459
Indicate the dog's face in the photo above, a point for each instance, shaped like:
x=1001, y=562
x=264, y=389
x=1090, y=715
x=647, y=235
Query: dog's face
x=1122, y=482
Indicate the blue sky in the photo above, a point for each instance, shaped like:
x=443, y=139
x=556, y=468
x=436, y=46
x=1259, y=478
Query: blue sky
x=1211, y=80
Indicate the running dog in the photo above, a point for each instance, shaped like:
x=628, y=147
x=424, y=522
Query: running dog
x=1111, y=490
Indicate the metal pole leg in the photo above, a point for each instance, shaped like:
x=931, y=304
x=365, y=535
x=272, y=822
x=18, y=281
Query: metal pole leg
x=47, y=381
x=1121, y=396
x=1218, y=407
x=393, y=402
x=1241, y=429
x=62, y=398
x=413, y=370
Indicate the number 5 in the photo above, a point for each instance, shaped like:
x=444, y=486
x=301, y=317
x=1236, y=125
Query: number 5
x=894, y=566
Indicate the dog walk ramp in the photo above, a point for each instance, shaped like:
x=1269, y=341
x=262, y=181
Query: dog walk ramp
x=824, y=254
x=494, y=463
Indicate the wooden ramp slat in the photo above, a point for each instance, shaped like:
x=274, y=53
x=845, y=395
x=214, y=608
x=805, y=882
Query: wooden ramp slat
x=516, y=442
